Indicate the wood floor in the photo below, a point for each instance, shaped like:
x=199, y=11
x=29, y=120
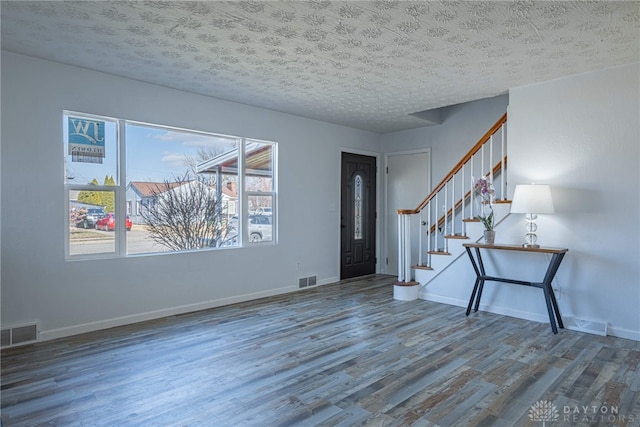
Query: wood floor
x=345, y=354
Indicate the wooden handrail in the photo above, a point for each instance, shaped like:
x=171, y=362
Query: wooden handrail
x=497, y=168
x=501, y=121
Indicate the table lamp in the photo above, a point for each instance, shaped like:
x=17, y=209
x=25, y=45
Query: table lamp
x=532, y=200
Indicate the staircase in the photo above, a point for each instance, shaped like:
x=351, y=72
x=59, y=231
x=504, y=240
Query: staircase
x=446, y=218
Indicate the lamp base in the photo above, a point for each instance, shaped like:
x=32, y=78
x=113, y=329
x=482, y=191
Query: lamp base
x=530, y=237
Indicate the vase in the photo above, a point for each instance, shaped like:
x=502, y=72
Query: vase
x=489, y=236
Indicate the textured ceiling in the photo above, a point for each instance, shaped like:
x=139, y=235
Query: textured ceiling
x=364, y=64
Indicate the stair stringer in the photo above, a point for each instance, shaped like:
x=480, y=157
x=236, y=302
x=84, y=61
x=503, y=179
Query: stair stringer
x=475, y=233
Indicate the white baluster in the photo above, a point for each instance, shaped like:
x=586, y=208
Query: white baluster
x=400, y=248
x=444, y=230
x=491, y=158
x=435, y=238
x=420, y=238
x=429, y=246
x=462, y=212
x=407, y=249
x=453, y=205
x=503, y=190
x=472, y=186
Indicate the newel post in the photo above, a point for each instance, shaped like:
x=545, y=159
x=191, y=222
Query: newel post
x=404, y=245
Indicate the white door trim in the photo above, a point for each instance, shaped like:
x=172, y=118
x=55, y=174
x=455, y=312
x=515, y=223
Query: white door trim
x=388, y=221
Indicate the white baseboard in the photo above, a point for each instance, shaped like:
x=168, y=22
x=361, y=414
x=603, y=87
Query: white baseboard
x=623, y=333
x=151, y=315
x=444, y=300
x=141, y=317
x=596, y=328
x=505, y=311
x=328, y=281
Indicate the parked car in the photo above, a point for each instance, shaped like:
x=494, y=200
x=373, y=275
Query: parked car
x=88, y=217
x=260, y=227
x=263, y=211
x=108, y=223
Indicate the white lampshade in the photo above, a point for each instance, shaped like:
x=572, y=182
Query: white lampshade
x=532, y=199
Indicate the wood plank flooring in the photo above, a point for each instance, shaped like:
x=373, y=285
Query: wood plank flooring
x=345, y=354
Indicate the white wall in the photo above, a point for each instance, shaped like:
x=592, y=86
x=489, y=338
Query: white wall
x=580, y=135
x=72, y=297
x=462, y=126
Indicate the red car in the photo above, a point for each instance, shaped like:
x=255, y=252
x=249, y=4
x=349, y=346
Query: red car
x=108, y=223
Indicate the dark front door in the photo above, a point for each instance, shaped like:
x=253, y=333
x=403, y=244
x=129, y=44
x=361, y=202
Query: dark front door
x=358, y=216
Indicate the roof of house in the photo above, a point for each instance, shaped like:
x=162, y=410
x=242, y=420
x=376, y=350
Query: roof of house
x=258, y=160
x=149, y=189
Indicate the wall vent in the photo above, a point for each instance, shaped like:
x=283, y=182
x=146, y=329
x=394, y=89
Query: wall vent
x=588, y=326
x=19, y=335
x=303, y=282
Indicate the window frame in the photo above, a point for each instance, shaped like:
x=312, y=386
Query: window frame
x=121, y=205
x=246, y=194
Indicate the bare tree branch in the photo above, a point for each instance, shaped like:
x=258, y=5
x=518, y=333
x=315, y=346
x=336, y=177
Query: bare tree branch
x=185, y=214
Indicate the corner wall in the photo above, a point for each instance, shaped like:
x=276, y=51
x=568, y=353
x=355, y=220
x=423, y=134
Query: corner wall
x=580, y=135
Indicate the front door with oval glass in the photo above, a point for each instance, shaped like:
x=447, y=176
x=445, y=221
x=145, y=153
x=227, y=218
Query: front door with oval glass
x=357, y=216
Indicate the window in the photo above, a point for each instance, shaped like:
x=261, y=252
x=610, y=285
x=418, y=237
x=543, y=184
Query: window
x=259, y=187
x=357, y=207
x=173, y=189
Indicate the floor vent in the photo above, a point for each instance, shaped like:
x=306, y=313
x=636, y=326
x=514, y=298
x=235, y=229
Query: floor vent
x=303, y=282
x=19, y=335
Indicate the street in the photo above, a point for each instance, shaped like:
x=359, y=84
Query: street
x=84, y=242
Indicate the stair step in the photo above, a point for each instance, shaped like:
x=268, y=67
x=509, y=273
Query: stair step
x=502, y=201
x=421, y=267
x=438, y=253
x=471, y=220
x=409, y=283
x=456, y=236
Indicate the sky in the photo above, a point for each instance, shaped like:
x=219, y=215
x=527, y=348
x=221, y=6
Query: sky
x=152, y=153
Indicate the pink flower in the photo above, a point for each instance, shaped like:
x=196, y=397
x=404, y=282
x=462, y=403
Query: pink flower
x=484, y=188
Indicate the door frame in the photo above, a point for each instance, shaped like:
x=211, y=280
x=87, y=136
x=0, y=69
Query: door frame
x=387, y=221
x=378, y=203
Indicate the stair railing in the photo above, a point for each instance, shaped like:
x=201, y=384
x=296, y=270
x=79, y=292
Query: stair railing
x=450, y=205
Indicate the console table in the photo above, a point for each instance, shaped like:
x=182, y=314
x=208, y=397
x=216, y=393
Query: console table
x=557, y=254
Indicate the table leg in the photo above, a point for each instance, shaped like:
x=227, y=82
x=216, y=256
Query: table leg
x=556, y=259
x=473, y=295
x=550, y=308
x=555, y=308
x=475, y=286
x=483, y=274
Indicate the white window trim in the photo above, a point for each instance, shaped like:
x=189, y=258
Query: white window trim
x=120, y=244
